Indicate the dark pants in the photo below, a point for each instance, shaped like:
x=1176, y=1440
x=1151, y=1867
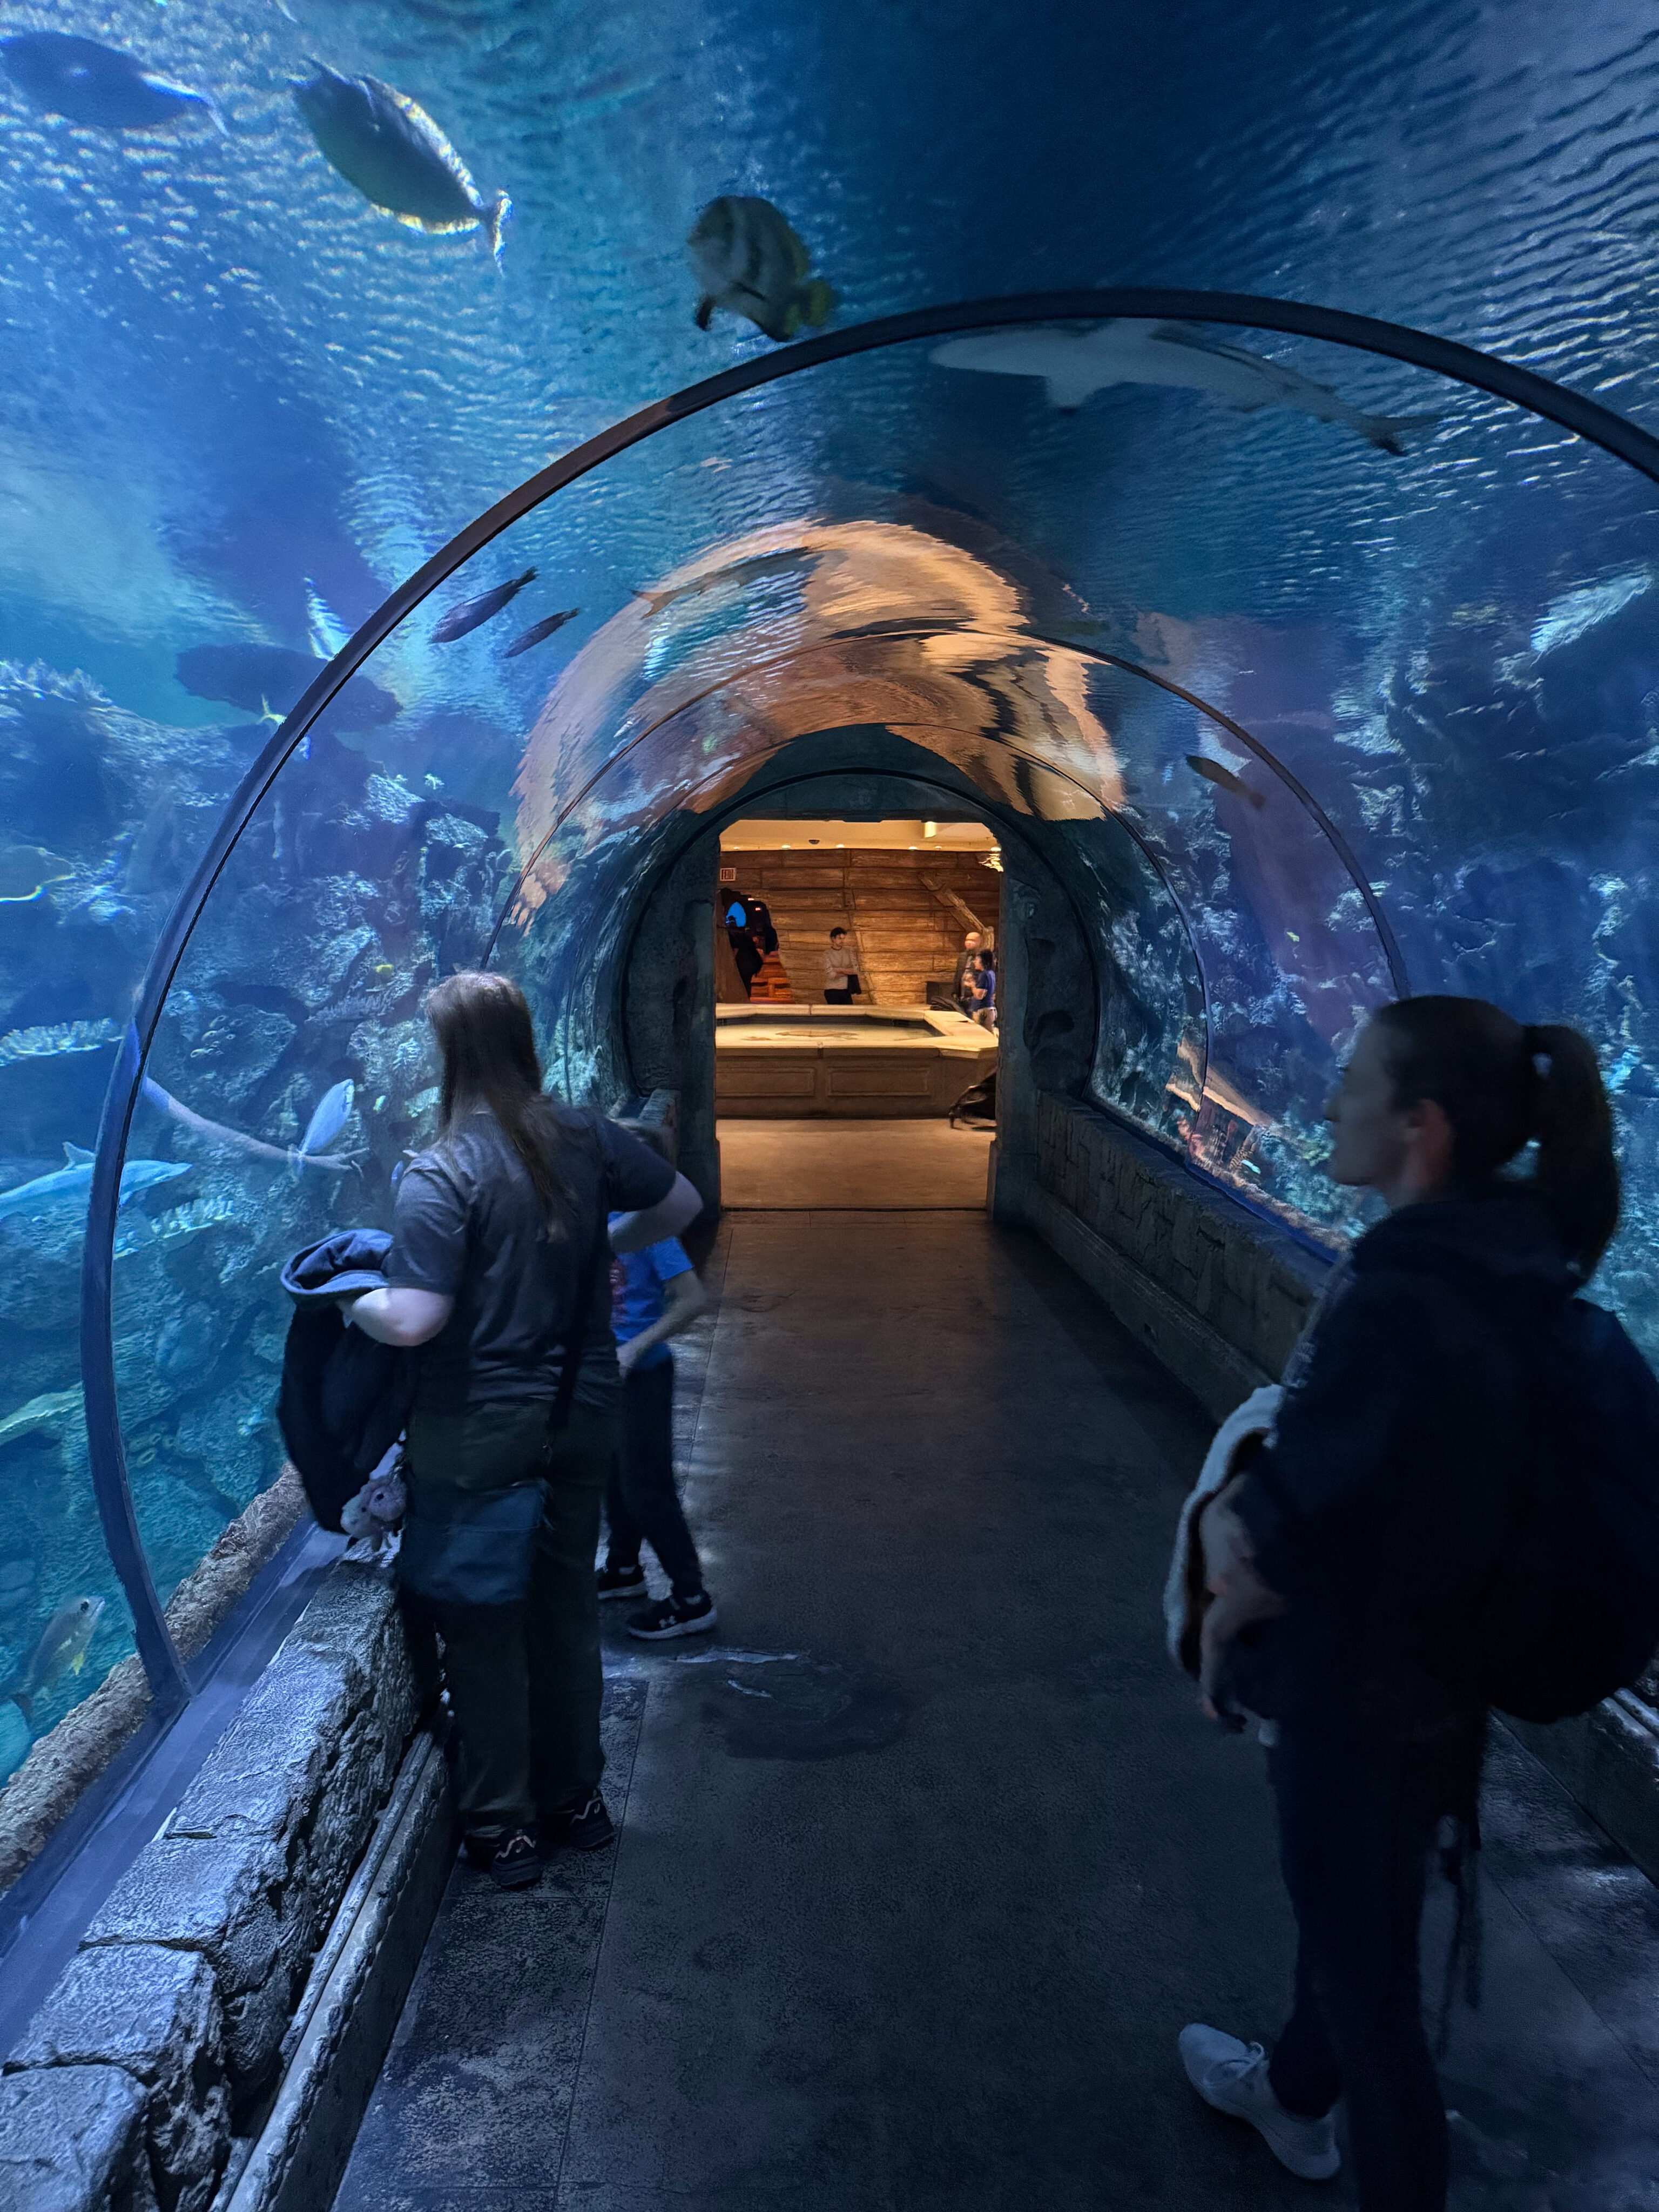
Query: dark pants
x=524, y=1680
x=641, y=1502
x=1355, y=1860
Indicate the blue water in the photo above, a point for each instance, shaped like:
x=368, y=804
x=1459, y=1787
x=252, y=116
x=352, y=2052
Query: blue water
x=239, y=406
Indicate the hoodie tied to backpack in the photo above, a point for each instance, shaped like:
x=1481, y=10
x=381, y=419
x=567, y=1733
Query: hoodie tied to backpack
x=1379, y=1508
x=345, y=1399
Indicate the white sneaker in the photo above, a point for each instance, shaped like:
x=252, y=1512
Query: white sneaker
x=1233, y=2077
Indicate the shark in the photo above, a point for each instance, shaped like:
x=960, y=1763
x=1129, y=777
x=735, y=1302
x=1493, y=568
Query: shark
x=1076, y=364
x=70, y=1184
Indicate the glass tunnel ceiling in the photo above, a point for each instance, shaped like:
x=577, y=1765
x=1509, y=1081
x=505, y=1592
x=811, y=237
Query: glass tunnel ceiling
x=241, y=407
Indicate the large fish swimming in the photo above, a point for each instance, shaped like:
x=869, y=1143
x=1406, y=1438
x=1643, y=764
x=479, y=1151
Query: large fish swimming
x=471, y=613
x=61, y=1650
x=86, y=83
x=388, y=146
x=1076, y=364
x=270, y=679
x=70, y=1185
x=219, y=1133
x=332, y=1112
x=537, y=631
x=747, y=259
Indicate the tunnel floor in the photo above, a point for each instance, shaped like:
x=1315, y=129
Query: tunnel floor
x=928, y=1856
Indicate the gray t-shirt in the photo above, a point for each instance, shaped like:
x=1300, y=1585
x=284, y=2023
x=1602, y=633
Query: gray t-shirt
x=468, y=1226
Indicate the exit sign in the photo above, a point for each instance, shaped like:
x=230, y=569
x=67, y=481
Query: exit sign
x=728, y=875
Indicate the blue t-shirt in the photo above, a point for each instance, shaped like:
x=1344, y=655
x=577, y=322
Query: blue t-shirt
x=636, y=1299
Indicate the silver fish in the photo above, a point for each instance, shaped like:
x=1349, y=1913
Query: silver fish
x=332, y=1112
x=386, y=145
x=537, y=631
x=220, y=1134
x=1076, y=364
x=747, y=259
x=72, y=1183
x=62, y=1650
x=472, y=612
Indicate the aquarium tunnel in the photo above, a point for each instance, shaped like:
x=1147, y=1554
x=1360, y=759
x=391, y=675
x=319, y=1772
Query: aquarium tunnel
x=1295, y=660
x=1249, y=824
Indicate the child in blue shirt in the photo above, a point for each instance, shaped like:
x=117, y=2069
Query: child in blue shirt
x=655, y=1294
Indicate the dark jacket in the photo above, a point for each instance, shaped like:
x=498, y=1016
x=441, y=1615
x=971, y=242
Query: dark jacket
x=344, y=1398
x=1378, y=1509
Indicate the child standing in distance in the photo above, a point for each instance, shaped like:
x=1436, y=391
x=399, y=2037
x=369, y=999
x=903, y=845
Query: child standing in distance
x=655, y=1294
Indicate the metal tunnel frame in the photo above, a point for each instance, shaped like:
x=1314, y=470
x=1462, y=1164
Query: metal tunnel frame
x=1587, y=418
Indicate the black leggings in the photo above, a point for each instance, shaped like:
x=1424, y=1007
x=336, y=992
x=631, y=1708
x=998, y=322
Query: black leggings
x=1355, y=1859
x=641, y=1502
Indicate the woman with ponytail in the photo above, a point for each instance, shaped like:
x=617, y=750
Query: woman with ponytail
x=1350, y=1558
x=500, y=1270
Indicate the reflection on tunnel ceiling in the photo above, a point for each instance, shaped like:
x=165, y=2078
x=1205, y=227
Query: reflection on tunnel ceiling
x=1277, y=714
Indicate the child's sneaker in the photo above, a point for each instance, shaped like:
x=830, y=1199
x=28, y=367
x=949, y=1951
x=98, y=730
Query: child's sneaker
x=623, y=1581
x=674, y=1616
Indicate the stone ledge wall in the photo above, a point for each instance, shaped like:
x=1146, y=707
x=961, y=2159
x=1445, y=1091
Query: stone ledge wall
x=1609, y=1760
x=70, y=1757
x=165, y=2033
x=1218, y=1294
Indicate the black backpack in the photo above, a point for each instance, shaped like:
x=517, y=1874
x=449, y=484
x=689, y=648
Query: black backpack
x=1569, y=1613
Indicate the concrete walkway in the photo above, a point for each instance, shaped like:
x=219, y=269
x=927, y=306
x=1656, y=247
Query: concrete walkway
x=924, y=1862
x=817, y=1165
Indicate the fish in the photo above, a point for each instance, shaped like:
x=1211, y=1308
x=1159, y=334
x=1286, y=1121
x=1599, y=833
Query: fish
x=332, y=1112
x=747, y=259
x=25, y=872
x=1076, y=364
x=72, y=1183
x=86, y=83
x=388, y=147
x=217, y=1133
x=537, y=631
x=471, y=613
x=755, y=568
x=62, y=1650
x=324, y=631
x=271, y=679
x=1224, y=780
x=49, y=1411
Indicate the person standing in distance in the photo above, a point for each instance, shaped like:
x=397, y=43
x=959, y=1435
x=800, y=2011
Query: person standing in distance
x=840, y=970
x=500, y=1272
x=971, y=944
x=655, y=1295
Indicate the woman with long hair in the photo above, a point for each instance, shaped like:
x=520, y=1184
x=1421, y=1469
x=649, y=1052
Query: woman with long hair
x=1349, y=1556
x=500, y=1272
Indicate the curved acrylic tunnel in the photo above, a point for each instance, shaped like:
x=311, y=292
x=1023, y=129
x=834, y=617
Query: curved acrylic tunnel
x=1291, y=710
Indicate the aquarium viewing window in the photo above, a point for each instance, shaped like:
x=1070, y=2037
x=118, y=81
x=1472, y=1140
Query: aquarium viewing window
x=1300, y=722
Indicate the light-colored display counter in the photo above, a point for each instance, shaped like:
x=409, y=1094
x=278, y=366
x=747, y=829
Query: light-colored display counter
x=886, y=1061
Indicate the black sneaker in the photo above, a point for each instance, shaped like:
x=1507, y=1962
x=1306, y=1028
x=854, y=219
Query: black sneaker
x=480, y=1849
x=623, y=1581
x=518, y=1864
x=674, y=1616
x=584, y=1827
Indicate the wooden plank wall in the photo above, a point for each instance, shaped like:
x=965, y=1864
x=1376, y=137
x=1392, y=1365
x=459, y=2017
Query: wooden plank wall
x=905, y=912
